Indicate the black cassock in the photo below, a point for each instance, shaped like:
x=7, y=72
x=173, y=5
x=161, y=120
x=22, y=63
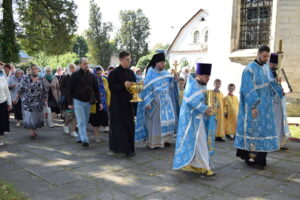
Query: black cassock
x=121, y=138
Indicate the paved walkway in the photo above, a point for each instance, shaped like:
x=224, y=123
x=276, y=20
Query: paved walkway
x=54, y=167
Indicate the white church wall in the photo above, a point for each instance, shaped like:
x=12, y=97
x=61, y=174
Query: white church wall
x=219, y=41
x=186, y=40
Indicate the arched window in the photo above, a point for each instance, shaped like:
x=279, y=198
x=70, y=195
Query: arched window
x=206, y=36
x=196, y=37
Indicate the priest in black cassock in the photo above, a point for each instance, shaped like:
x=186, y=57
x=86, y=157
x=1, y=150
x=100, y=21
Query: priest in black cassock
x=121, y=138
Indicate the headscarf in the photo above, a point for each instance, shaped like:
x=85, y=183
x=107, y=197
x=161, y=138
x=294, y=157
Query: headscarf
x=48, y=77
x=138, y=77
x=68, y=71
x=22, y=74
x=101, y=87
x=184, y=74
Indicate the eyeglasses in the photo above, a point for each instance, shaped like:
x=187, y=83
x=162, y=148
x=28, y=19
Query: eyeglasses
x=128, y=60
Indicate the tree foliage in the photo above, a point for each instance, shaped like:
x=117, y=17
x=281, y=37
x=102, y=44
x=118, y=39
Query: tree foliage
x=145, y=60
x=9, y=49
x=80, y=46
x=47, y=26
x=98, y=36
x=133, y=34
x=42, y=60
x=160, y=46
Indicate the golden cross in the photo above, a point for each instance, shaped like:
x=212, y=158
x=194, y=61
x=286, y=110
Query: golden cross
x=175, y=65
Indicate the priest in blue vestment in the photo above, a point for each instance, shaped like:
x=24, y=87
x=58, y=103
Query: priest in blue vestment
x=256, y=130
x=197, y=127
x=156, y=116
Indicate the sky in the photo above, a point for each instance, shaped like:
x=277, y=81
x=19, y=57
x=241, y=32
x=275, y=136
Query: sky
x=166, y=16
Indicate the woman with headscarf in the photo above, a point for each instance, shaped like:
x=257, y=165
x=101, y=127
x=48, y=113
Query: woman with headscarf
x=100, y=117
x=5, y=106
x=139, y=75
x=34, y=97
x=185, y=73
x=14, y=84
x=53, y=94
x=68, y=114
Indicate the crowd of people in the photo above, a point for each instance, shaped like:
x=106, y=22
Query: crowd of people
x=175, y=104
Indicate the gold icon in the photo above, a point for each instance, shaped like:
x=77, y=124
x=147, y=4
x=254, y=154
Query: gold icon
x=212, y=101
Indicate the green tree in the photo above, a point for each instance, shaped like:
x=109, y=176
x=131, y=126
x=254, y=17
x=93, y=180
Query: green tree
x=133, y=34
x=47, y=26
x=98, y=36
x=184, y=63
x=80, y=46
x=160, y=46
x=145, y=60
x=8, y=43
x=42, y=60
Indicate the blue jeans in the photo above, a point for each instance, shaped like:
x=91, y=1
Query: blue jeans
x=82, y=113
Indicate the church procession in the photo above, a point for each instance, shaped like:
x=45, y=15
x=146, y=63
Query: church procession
x=225, y=93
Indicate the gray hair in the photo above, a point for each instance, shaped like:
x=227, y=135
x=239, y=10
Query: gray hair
x=68, y=71
x=47, y=68
x=19, y=70
x=82, y=59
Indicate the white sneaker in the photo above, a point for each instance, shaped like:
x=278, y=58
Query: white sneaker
x=110, y=153
x=18, y=124
x=1, y=143
x=66, y=129
x=98, y=140
x=74, y=134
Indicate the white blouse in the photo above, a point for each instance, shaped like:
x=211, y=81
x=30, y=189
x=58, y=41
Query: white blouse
x=4, y=91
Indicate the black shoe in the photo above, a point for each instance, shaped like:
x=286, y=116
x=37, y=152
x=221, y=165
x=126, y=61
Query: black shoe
x=85, y=144
x=167, y=144
x=255, y=165
x=220, y=139
x=229, y=137
x=258, y=166
x=284, y=148
x=79, y=142
x=130, y=154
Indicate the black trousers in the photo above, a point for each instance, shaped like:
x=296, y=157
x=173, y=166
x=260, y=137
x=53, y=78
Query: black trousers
x=17, y=109
x=260, y=157
x=4, y=118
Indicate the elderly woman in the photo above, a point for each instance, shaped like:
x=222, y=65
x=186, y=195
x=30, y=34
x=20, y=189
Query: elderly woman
x=69, y=116
x=14, y=84
x=59, y=73
x=7, y=70
x=100, y=117
x=139, y=75
x=53, y=94
x=185, y=73
x=5, y=106
x=34, y=96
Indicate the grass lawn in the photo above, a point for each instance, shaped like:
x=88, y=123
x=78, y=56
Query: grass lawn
x=8, y=192
x=295, y=131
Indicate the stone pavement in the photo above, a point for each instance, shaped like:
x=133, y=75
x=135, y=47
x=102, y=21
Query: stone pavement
x=54, y=167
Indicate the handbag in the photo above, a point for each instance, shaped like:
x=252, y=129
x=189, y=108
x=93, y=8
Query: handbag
x=93, y=109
